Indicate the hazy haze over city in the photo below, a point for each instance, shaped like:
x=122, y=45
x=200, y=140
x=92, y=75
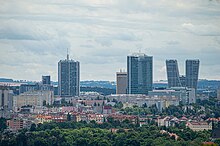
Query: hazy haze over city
x=34, y=36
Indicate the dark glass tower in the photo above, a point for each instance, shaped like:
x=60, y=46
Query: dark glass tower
x=68, y=77
x=173, y=73
x=192, y=73
x=140, y=73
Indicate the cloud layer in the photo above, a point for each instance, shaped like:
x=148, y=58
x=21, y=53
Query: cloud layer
x=34, y=35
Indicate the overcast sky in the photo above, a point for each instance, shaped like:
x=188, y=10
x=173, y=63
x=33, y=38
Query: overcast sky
x=34, y=35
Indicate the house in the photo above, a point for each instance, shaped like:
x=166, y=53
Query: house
x=107, y=110
x=199, y=126
x=99, y=118
x=167, y=121
x=43, y=118
x=133, y=119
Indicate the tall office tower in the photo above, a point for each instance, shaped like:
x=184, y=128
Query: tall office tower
x=68, y=77
x=139, y=73
x=6, y=98
x=192, y=73
x=46, y=80
x=121, y=81
x=173, y=73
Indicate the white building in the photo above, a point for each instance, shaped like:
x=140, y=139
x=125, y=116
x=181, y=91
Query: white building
x=185, y=95
x=141, y=100
x=35, y=98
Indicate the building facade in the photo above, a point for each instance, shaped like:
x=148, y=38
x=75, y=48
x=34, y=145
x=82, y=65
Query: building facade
x=192, y=73
x=121, y=82
x=68, y=78
x=46, y=80
x=199, y=126
x=173, y=73
x=33, y=98
x=218, y=94
x=139, y=73
x=189, y=80
x=6, y=98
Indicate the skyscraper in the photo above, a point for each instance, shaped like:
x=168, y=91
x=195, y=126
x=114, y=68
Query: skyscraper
x=192, y=73
x=46, y=80
x=139, y=73
x=121, y=87
x=173, y=73
x=68, y=77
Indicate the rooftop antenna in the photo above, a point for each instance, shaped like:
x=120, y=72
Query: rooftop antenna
x=67, y=54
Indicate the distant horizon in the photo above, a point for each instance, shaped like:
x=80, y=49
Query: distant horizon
x=155, y=81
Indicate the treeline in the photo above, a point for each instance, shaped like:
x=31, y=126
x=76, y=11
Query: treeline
x=93, y=134
x=103, y=91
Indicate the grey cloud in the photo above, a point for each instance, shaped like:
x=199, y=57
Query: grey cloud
x=100, y=34
x=203, y=30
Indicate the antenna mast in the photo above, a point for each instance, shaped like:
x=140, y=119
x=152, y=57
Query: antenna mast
x=67, y=54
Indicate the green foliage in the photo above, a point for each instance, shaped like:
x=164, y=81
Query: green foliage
x=33, y=127
x=2, y=124
x=93, y=134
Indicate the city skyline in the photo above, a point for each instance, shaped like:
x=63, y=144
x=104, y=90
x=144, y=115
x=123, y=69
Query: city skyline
x=100, y=34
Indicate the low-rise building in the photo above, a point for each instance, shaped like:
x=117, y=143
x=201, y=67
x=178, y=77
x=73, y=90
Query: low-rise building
x=133, y=119
x=98, y=118
x=107, y=109
x=167, y=121
x=199, y=126
x=43, y=118
x=161, y=101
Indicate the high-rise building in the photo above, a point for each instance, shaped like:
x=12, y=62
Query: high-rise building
x=46, y=80
x=173, y=73
x=218, y=94
x=192, y=73
x=6, y=98
x=139, y=73
x=68, y=77
x=121, y=81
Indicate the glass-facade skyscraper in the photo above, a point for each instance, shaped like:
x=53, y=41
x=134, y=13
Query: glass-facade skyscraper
x=139, y=73
x=189, y=80
x=192, y=73
x=173, y=73
x=68, y=77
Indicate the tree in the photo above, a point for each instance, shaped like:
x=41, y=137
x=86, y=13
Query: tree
x=68, y=117
x=2, y=124
x=33, y=127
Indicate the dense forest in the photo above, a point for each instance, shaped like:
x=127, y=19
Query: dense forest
x=84, y=134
